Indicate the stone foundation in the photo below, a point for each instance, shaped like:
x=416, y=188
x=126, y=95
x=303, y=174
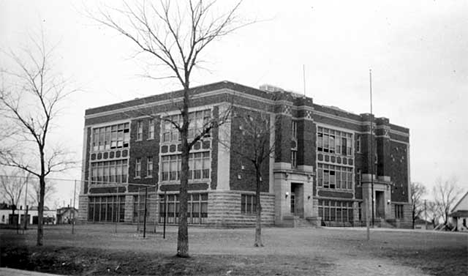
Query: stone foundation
x=224, y=210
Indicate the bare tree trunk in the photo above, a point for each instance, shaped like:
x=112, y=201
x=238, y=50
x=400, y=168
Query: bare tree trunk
x=258, y=224
x=40, y=209
x=182, y=237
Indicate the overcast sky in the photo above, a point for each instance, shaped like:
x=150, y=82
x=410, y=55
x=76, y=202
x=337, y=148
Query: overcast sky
x=417, y=50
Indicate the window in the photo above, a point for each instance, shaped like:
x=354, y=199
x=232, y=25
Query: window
x=139, y=131
x=334, y=177
x=198, y=121
x=109, y=172
x=197, y=208
x=294, y=130
x=139, y=208
x=106, y=209
x=111, y=137
x=248, y=204
x=359, y=178
x=337, y=211
x=399, y=211
x=151, y=129
x=199, y=166
x=334, y=141
x=149, y=166
x=293, y=158
x=138, y=168
x=358, y=144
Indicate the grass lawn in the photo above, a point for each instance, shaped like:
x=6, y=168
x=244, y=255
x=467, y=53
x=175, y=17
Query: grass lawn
x=110, y=250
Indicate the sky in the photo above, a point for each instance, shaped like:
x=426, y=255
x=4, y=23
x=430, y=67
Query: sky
x=417, y=51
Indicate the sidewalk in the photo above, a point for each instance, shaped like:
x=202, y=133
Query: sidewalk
x=4, y=271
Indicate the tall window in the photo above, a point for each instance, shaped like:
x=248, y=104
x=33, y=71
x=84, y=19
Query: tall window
x=199, y=166
x=198, y=121
x=151, y=129
x=248, y=204
x=399, y=211
x=197, y=208
x=293, y=158
x=138, y=168
x=334, y=177
x=294, y=130
x=111, y=137
x=337, y=211
x=359, y=178
x=149, y=167
x=139, y=130
x=109, y=172
x=358, y=144
x=294, y=144
x=334, y=141
x=106, y=209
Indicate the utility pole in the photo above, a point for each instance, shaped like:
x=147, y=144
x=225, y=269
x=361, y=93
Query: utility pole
x=165, y=214
x=144, y=216
x=73, y=208
x=425, y=214
x=26, y=206
x=371, y=147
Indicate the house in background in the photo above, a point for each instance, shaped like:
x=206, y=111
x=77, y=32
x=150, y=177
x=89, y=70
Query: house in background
x=329, y=166
x=66, y=215
x=459, y=214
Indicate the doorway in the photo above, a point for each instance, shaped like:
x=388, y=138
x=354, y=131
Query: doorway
x=380, y=204
x=297, y=199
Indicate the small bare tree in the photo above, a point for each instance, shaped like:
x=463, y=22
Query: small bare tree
x=256, y=146
x=12, y=185
x=173, y=34
x=418, y=190
x=446, y=193
x=30, y=95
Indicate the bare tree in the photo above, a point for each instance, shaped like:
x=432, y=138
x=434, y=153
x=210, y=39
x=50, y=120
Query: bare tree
x=30, y=95
x=418, y=190
x=12, y=185
x=257, y=147
x=173, y=34
x=431, y=212
x=35, y=192
x=446, y=192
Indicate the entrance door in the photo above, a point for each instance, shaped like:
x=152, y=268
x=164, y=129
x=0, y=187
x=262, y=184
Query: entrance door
x=380, y=204
x=297, y=199
x=293, y=204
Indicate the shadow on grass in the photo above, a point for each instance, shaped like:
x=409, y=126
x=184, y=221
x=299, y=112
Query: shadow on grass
x=86, y=261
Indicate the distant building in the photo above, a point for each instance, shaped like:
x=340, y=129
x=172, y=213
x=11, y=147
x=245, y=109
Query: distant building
x=459, y=215
x=8, y=216
x=321, y=170
x=66, y=215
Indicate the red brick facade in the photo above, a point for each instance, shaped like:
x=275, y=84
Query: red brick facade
x=320, y=171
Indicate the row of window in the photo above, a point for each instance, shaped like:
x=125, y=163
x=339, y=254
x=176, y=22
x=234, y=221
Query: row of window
x=339, y=211
x=106, y=209
x=140, y=130
x=199, y=166
x=198, y=121
x=334, y=177
x=111, y=137
x=334, y=141
x=197, y=211
x=109, y=172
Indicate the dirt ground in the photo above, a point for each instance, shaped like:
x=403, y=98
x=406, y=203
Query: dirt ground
x=121, y=250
